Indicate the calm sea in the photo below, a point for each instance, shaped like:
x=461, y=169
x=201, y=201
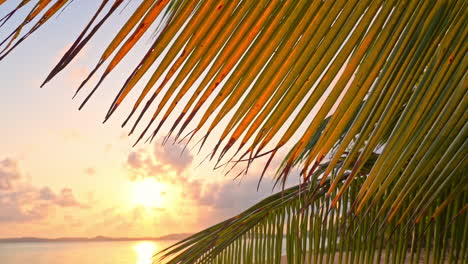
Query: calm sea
x=134, y=252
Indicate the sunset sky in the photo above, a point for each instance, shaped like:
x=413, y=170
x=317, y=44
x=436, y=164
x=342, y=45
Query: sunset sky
x=64, y=173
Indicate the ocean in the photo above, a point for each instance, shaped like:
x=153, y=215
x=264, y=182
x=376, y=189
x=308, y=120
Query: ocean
x=114, y=252
x=106, y=252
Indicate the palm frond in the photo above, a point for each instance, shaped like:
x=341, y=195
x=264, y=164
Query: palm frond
x=339, y=81
x=296, y=226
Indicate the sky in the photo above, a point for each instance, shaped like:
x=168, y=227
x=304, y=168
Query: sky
x=63, y=173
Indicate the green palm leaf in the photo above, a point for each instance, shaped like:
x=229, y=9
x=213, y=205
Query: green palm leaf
x=371, y=95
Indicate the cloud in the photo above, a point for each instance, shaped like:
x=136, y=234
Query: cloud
x=8, y=172
x=165, y=163
x=134, y=160
x=12, y=212
x=45, y=193
x=226, y=195
x=90, y=171
x=67, y=199
x=20, y=201
x=229, y=197
x=173, y=155
x=214, y=199
x=24, y=203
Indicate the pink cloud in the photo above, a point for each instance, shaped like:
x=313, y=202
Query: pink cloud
x=216, y=199
x=45, y=193
x=67, y=199
x=90, y=171
x=22, y=202
x=173, y=155
x=9, y=172
x=165, y=162
x=134, y=160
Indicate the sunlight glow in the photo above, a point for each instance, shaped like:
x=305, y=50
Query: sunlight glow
x=145, y=252
x=149, y=193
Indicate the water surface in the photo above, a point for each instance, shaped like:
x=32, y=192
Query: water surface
x=114, y=252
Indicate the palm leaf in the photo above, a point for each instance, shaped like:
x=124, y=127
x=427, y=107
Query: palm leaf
x=290, y=223
x=369, y=97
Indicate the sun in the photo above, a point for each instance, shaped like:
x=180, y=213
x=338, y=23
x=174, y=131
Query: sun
x=149, y=193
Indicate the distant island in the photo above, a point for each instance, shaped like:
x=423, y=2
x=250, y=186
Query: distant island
x=178, y=236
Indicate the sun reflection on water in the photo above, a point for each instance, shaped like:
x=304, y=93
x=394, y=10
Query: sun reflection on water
x=145, y=252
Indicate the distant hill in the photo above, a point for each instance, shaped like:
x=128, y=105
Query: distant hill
x=178, y=236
